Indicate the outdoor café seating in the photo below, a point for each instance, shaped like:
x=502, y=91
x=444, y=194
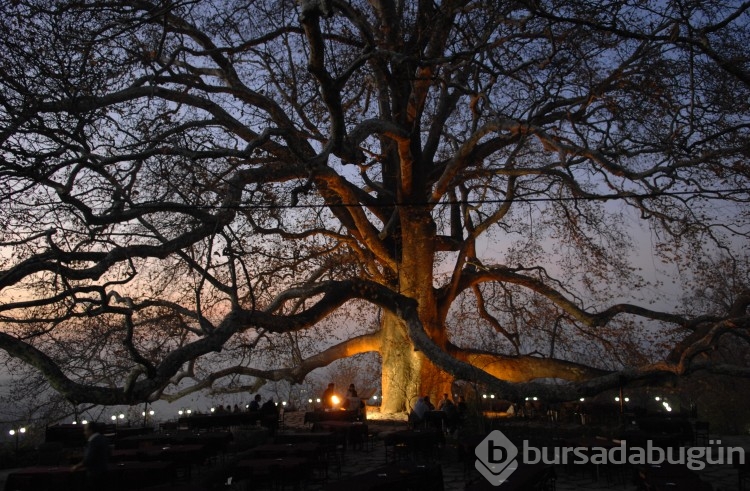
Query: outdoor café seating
x=213, y=440
x=277, y=472
x=355, y=434
x=184, y=457
x=332, y=444
x=410, y=444
x=326, y=455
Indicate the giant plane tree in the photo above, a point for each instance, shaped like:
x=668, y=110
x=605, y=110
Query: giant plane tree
x=207, y=193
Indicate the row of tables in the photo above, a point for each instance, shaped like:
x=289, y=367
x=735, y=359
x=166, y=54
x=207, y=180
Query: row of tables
x=663, y=476
x=122, y=475
x=295, y=456
x=351, y=434
x=413, y=444
x=280, y=463
x=138, y=461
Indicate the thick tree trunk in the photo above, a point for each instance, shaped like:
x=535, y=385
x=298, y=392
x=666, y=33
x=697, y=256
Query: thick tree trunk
x=408, y=374
x=400, y=366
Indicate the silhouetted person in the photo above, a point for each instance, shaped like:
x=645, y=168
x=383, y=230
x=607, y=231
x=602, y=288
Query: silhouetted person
x=451, y=415
x=351, y=391
x=269, y=415
x=328, y=394
x=420, y=410
x=443, y=401
x=255, y=403
x=462, y=409
x=95, y=458
x=353, y=402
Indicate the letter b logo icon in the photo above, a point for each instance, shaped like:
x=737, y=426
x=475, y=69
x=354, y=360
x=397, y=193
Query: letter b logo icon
x=496, y=457
x=496, y=454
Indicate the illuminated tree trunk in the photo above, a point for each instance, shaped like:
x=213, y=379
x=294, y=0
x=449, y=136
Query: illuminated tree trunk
x=407, y=373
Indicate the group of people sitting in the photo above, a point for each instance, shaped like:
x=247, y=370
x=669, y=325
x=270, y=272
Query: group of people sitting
x=220, y=409
x=268, y=411
x=447, y=416
x=351, y=401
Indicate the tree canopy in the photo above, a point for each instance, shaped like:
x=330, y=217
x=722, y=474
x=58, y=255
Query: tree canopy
x=198, y=191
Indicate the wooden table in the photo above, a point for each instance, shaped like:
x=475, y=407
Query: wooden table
x=215, y=442
x=322, y=437
x=354, y=433
x=412, y=442
x=332, y=415
x=193, y=452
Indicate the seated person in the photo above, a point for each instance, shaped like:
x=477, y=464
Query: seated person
x=269, y=415
x=255, y=403
x=443, y=401
x=351, y=391
x=419, y=411
x=352, y=402
x=451, y=415
x=327, y=398
x=462, y=409
x=95, y=457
